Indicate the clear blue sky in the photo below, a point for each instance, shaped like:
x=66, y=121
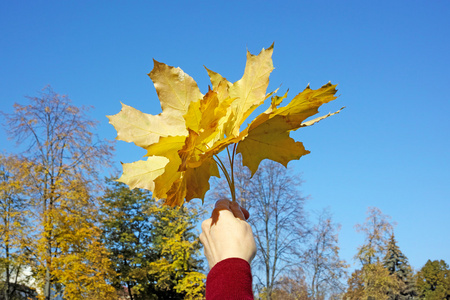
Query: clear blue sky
x=389, y=148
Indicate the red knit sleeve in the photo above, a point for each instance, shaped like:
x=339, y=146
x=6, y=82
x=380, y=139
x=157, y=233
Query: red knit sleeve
x=230, y=279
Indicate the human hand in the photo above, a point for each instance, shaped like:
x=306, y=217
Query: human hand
x=226, y=234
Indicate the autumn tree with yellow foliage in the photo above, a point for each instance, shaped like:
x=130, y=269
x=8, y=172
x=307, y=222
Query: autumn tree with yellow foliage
x=58, y=138
x=14, y=227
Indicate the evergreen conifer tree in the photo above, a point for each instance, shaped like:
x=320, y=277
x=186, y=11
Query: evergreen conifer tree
x=397, y=263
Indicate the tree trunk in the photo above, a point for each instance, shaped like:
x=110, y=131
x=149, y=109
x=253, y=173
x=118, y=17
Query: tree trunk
x=8, y=284
x=47, y=228
x=47, y=284
x=129, y=290
x=7, y=289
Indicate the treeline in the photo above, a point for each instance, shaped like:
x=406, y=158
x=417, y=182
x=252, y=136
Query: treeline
x=68, y=233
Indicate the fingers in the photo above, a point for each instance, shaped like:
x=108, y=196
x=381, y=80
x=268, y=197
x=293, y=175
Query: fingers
x=246, y=213
x=237, y=212
x=223, y=204
x=232, y=206
x=230, y=237
x=205, y=240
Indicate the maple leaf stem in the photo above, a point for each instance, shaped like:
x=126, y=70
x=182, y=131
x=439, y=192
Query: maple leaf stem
x=231, y=160
x=227, y=176
x=222, y=167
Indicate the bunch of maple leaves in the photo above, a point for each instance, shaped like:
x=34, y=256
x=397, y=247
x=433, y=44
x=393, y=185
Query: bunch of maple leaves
x=183, y=141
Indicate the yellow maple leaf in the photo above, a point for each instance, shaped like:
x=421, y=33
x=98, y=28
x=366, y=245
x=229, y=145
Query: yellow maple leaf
x=272, y=141
x=269, y=132
x=184, y=140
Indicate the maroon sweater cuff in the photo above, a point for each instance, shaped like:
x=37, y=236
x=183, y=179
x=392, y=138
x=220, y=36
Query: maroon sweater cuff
x=230, y=279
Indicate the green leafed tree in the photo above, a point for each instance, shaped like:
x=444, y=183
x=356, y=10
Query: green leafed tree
x=153, y=247
x=126, y=234
x=397, y=264
x=177, y=270
x=433, y=281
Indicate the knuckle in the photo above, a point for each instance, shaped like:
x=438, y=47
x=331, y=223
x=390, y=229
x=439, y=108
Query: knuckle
x=206, y=224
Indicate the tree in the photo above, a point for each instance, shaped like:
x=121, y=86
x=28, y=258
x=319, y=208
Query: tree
x=153, y=248
x=355, y=286
x=58, y=137
x=377, y=229
x=126, y=234
x=177, y=270
x=276, y=215
x=321, y=261
x=14, y=257
x=373, y=280
x=433, y=280
x=292, y=287
x=397, y=264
